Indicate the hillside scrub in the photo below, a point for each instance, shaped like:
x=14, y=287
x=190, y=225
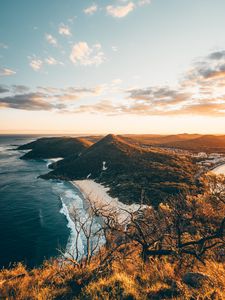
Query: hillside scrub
x=54, y=147
x=173, y=252
x=130, y=169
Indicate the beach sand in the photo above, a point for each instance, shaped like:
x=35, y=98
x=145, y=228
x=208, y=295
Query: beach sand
x=98, y=196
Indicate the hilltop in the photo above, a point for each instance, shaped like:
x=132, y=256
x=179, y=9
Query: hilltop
x=130, y=171
x=54, y=147
x=156, y=139
x=189, y=142
x=205, y=143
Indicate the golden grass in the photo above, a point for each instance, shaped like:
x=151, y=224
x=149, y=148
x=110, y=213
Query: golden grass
x=126, y=279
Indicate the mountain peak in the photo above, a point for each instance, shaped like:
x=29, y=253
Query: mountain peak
x=110, y=138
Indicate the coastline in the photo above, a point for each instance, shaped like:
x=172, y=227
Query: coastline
x=219, y=169
x=98, y=196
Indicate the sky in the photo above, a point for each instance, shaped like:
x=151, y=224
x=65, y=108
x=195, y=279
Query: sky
x=119, y=66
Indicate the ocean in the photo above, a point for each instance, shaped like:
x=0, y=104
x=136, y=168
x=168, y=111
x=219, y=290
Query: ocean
x=34, y=213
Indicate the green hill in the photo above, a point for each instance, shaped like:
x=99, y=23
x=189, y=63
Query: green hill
x=130, y=170
x=54, y=147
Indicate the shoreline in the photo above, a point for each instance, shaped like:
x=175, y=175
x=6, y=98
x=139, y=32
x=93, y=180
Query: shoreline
x=97, y=195
x=217, y=169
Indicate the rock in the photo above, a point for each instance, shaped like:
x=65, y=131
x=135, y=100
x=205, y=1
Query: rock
x=196, y=279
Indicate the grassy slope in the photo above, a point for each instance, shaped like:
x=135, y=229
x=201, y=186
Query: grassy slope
x=124, y=279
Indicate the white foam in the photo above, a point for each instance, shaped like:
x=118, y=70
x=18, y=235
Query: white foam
x=104, y=168
x=98, y=195
x=3, y=149
x=50, y=161
x=70, y=249
x=71, y=201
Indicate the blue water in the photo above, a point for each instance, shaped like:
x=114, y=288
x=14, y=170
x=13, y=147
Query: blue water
x=34, y=219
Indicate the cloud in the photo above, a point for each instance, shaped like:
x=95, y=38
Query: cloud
x=51, y=40
x=199, y=92
x=208, y=108
x=78, y=92
x=217, y=55
x=30, y=101
x=52, y=61
x=117, y=81
x=120, y=11
x=64, y=30
x=208, y=66
x=4, y=89
x=75, y=93
x=6, y=72
x=104, y=106
x=20, y=88
x=36, y=64
x=90, y=10
x=83, y=54
x=45, y=98
x=158, y=96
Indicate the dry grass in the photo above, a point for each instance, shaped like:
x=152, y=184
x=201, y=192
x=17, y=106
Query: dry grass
x=126, y=279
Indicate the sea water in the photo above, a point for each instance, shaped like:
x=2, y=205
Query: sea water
x=35, y=219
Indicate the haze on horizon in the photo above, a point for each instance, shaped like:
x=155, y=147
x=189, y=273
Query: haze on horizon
x=119, y=66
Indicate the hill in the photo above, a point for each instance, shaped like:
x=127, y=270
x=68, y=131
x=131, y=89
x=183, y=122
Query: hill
x=154, y=139
x=205, y=143
x=54, y=147
x=130, y=170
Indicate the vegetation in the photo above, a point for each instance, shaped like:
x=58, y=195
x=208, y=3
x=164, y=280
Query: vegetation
x=175, y=251
x=130, y=169
x=54, y=147
x=157, y=139
x=190, y=142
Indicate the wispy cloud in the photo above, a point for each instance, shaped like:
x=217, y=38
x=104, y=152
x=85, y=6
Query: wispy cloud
x=36, y=64
x=200, y=92
x=52, y=61
x=30, y=101
x=83, y=54
x=17, y=88
x=90, y=10
x=51, y=40
x=44, y=98
x=120, y=11
x=64, y=30
x=4, y=89
x=7, y=72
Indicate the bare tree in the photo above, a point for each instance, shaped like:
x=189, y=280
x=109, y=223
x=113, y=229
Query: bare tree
x=181, y=227
x=185, y=225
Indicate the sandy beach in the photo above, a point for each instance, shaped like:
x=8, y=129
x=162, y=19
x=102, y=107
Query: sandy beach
x=98, y=196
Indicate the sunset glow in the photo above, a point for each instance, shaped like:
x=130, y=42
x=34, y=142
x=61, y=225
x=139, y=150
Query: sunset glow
x=112, y=66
